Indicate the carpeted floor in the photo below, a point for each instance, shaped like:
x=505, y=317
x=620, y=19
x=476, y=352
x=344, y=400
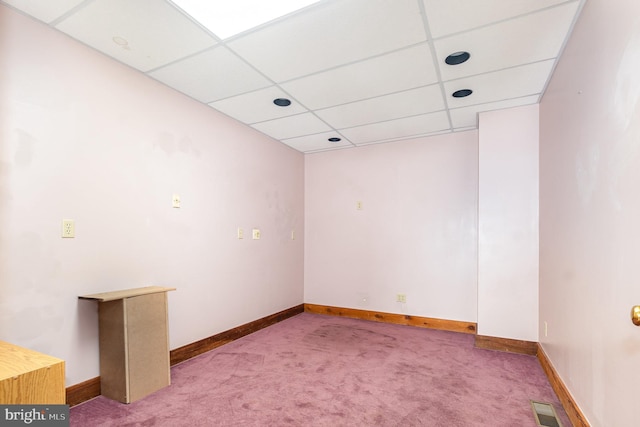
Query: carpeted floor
x=314, y=370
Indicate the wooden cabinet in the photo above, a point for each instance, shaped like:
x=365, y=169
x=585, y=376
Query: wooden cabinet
x=29, y=377
x=134, y=342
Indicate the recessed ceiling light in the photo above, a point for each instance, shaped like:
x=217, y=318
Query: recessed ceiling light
x=457, y=58
x=462, y=93
x=228, y=18
x=334, y=139
x=282, y=102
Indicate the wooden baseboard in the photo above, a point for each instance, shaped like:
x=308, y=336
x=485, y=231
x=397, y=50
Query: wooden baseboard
x=508, y=345
x=570, y=406
x=398, y=319
x=83, y=391
x=194, y=349
x=89, y=389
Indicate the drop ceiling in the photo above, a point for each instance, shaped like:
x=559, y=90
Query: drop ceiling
x=364, y=71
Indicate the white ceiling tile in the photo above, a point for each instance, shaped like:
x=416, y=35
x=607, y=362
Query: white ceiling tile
x=466, y=117
x=393, y=129
x=394, y=72
x=464, y=129
x=211, y=75
x=422, y=135
x=258, y=106
x=151, y=42
x=46, y=11
x=336, y=33
x=504, y=84
x=292, y=126
x=532, y=38
x=316, y=142
x=453, y=16
x=402, y=104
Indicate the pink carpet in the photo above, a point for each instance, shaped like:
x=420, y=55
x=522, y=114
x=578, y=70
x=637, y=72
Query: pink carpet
x=314, y=370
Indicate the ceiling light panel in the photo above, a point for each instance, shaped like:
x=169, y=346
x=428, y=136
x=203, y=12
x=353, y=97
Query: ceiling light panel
x=46, y=11
x=150, y=43
x=257, y=106
x=292, y=126
x=227, y=18
x=393, y=72
x=534, y=37
x=394, y=106
x=317, y=142
x=336, y=33
x=211, y=75
x=401, y=128
x=467, y=117
x=514, y=82
x=453, y=16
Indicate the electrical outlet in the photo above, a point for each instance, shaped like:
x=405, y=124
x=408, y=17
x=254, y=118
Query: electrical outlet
x=68, y=228
x=256, y=234
x=293, y=235
x=546, y=329
x=175, y=201
x=401, y=298
x=240, y=233
x=359, y=205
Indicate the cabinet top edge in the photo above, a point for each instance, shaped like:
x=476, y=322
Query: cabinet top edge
x=126, y=293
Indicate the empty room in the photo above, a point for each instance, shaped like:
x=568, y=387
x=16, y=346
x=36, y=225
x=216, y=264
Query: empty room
x=348, y=212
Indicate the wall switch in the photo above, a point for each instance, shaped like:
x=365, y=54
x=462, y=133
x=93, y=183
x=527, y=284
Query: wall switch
x=401, y=298
x=175, y=201
x=240, y=233
x=293, y=234
x=256, y=234
x=545, y=329
x=68, y=228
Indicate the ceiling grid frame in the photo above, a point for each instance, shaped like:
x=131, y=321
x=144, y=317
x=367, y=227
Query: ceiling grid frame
x=372, y=79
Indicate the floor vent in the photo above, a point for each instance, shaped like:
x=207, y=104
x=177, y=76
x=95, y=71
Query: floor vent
x=545, y=414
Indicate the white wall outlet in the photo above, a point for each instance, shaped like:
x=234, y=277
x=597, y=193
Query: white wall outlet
x=240, y=233
x=401, y=298
x=256, y=234
x=359, y=205
x=546, y=328
x=68, y=228
x=293, y=234
x=175, y=201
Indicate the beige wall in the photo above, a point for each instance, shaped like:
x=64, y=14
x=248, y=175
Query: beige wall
x=590, y=213
x=84, y=137
x=508, y=223
x=416, y=233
